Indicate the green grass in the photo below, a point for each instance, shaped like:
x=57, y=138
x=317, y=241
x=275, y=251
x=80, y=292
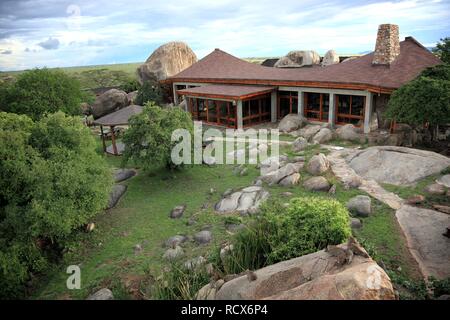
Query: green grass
x=107, y=257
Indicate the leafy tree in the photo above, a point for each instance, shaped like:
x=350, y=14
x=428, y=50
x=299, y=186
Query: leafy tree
x=102, y=78
x=442, y=50
x=148, y=139
x=438, y=72
x=52, y=182
x=421, y=101
x=130, y=86
x=149, y=91
x=42, y=91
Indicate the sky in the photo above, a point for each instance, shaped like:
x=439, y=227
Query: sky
x=60, y=33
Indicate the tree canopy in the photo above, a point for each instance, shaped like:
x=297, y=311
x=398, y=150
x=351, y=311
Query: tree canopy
x=442, y=50
x=150, y=91
x=41, y=91
x=52, y=182
x=148, y=139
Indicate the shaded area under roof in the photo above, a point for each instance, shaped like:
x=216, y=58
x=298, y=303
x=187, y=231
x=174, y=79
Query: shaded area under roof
x=358, y=73
x=226, y=91
x=119, y=117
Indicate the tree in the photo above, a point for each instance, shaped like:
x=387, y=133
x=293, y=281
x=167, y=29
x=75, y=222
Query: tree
x=52, y=182
x=42, y=91
x=438, y=72
x=442, y=50
x=422, y=101
x=150, y=91
x=102, y=78
x=148, y=139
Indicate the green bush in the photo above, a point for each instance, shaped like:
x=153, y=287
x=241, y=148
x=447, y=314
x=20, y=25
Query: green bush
x=442, y=50
x=41, y=91
x=439, y=72
x=148, y=139
x=150, y=91
x=280, y=233
x=130, y=86
x=51, y=183
x=179, y=283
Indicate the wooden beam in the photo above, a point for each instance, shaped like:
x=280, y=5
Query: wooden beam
x=113, y=140
x=103, y=139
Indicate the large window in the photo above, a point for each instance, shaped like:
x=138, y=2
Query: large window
x=317, y=106
x=213, y=111
x=350, y=109
x=256, y=110
x=287, y=103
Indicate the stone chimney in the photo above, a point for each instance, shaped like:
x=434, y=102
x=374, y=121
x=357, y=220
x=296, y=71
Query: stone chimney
x=387, y=47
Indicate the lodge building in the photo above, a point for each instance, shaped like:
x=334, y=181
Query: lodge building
x=223, y=90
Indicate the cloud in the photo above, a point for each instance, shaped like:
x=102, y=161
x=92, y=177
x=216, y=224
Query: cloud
x=103, y=31
x=49, y=44
x=6, y=52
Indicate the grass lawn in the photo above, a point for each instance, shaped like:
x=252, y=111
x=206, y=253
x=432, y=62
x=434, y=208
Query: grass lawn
x=107, y=258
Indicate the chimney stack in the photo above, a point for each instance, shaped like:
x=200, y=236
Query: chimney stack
x=387, y=47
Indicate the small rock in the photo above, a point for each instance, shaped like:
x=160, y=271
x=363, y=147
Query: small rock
x=299, y=144
x=175, y=241
x=355, y=223
x=332, y=189
x=225, y=251
x=324, y=135
x=102, y=294
x=231, y=227
x=290, y=180
x=316, y=184
x=90, y=227
x=203, y=237
x=354, y=182
x=348, y=132
x=444, y=297
x=435, y=188
x=177, y=212
x=444, y=180
x=123, y=174
x=258, y=183
x=416, y=199
x=191, y=221
x=287, y=194
x=137, y=249
x=173, y=254
x=318, y=164
x=208, y=292
x=360, y=205
x=115, y=195
x=244, y=172
x=195, y=263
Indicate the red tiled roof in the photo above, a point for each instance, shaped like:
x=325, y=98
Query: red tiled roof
x=226, y=91
x=222, y=67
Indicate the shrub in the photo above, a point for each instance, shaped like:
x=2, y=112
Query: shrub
x=442, y=50
x=439, y=72
x=307, y=225
x=51, y=183
x=148, y=139
x=42, y=91
x=179, y=283
x=130, y=86
x=150, y=91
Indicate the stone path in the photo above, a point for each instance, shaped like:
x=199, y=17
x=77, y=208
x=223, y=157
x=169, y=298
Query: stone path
x=422, y=228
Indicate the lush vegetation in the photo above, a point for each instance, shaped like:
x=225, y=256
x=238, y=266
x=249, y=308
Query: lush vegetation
x=442, y=50
x=150, y=91
x=306, y=225
x=430, y=92
x=102, y=78
x=51, y=183
x=42, y=91
x=148, y=140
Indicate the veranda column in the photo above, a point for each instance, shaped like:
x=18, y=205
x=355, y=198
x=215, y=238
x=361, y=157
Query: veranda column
x=175, y=95
x=332, y=110
x=368, y=112
x=273, y=106
x=240, y=124
x=301, y=102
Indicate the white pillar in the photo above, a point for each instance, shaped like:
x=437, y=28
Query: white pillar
x=332, y=110
x=240, y=124
x=175, y=95
x=273, y=106
x=301, y=102
x=368, y=112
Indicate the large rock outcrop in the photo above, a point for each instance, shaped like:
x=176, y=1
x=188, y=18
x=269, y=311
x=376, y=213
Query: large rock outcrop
x=296, y=59
x=331, y=57
x=166, y=61
x=108, y=102
x=344, y=272
x=396, y=165
x=245, y=201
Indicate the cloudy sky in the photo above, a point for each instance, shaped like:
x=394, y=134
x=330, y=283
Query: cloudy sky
x=59, y=33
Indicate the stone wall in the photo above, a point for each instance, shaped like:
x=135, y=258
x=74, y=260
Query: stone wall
x=387, y=47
